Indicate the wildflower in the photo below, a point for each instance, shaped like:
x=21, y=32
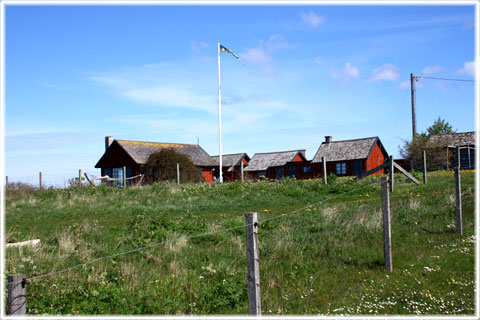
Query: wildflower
x=416, y=222
x=265, y=210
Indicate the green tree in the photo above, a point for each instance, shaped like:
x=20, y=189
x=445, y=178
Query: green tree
x=162, y=166
x=439, y=127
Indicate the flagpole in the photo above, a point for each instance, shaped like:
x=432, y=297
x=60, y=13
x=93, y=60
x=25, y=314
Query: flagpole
x=219, y=118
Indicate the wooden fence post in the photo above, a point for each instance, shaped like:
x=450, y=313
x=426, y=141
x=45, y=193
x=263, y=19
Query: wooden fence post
x=124, y=177
x=178, y=173
x=424, y=156
x=253, y=266
x=447, y=157
x=241, y=170
x=17, y=291
x=392, y=179
x=387, y=231
x=40, y=180
x=324, y=170
x=458, y=193
x=79, y=177
x=6, y=182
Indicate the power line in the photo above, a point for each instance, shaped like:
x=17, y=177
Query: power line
x=449, y=79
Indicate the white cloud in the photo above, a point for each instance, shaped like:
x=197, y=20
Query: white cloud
x=275, y=42
x=385, y=72
x=347, y=73
x=432, y=69
x=172, y=96
x=312, y=19
x=256, y=56
x=468, y=69
x=262, y=54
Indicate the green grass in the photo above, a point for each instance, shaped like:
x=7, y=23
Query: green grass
x=324, y=259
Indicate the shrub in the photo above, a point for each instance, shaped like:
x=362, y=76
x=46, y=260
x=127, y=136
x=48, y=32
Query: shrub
x=162, y=166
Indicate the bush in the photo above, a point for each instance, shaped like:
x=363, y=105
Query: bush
x=162, y=166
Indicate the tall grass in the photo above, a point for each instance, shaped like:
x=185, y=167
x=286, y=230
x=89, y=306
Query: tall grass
x=324, y=259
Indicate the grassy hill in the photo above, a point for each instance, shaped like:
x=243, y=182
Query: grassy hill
x=322, y=259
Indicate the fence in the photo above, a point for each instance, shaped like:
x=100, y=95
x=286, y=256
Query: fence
x=18, y=284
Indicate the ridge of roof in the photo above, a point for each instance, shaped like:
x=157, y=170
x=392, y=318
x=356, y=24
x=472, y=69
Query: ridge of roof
x=350, y=140
x=297, y=150
x=155, y=143
x=231, y=154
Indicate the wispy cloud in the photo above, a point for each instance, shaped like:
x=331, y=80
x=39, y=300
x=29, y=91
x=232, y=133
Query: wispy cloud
x=172, y=96
x=262, y=55
x=256, y=56
x=312, y=19
x=347, y=73
x=200, y=50
x=432, y=69
x=468, y=69
x=386, y=72
x=159, y=85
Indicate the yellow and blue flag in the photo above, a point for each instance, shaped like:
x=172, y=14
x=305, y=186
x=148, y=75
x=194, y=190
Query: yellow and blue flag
x=223, y=49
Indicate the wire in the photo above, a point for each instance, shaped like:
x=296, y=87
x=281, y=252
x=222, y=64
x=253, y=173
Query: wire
x=189, y=237
x=449, y=79
x=310, y=205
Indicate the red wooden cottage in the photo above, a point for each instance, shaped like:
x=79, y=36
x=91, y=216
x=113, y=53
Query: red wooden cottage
x=349, y=157
x=134, y=155
x=231, y=165
x=276, y=165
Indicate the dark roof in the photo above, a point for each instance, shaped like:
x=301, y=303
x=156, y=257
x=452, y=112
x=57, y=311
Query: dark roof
x=230, y=160
x=139, y=151
x=263, y=161
x=346, y=149
x=453, y=139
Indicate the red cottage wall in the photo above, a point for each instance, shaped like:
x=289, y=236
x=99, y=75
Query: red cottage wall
x=376, y=159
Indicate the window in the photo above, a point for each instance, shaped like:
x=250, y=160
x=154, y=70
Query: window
x=118, y=176
x=307, y=169
x=117, y=173
x=261, y=174
x=341, y=168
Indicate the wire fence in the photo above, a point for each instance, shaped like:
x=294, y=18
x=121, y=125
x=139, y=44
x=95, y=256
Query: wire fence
x=194, y=236
x=139, y=249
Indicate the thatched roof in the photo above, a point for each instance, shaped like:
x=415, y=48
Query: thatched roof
x=139, y=151
x=263, y=161
x=346, y=149
x=231, y=160
x=460, y=139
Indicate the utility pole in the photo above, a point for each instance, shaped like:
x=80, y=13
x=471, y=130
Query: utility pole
x=414, y=122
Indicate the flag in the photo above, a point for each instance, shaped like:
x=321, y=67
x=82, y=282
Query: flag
x=223, y=49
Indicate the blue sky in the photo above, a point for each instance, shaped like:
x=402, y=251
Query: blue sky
x=75, y=74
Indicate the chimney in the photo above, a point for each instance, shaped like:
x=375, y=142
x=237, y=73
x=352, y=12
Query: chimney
x=108, y=141
x=328, y=139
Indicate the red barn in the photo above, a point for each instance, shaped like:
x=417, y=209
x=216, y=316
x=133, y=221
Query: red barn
x=134, y=155
x=276, y=165
x=231, y=165
x=349, y=157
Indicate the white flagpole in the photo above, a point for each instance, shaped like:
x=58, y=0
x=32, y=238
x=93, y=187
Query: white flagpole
x=219, y=117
